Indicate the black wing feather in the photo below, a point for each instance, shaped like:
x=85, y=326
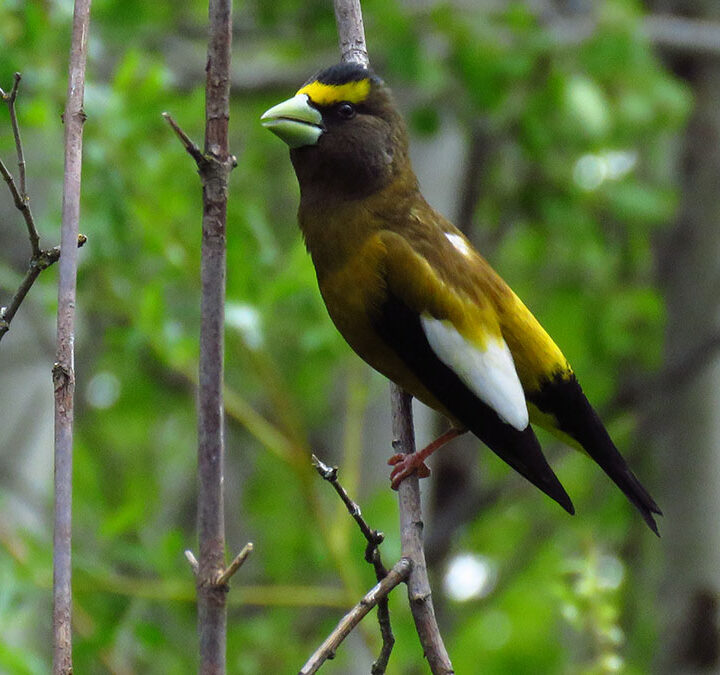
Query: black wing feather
x=401, y=330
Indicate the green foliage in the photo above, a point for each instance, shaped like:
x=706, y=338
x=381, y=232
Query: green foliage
x=574, y=186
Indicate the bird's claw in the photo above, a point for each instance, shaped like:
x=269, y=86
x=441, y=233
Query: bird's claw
x=404, y=465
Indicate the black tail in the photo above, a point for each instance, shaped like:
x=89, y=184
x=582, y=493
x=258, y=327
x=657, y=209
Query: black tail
x=565, y=401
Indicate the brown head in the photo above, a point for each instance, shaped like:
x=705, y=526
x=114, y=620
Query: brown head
x=346, y=138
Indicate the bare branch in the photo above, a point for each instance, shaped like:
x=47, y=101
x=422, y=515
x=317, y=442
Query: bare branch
x=214, y=166
x=20, y=197
x=411, y=533
x=329, y=473
x=10, y=100
x=64, y=369
x=372, y=555
x=40, y=259
x=351, y=33
x=44, y=259
x=235, y=565
x=192, y=149
x=327, y=649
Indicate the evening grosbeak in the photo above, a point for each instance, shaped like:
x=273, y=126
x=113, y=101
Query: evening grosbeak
x=413, y=298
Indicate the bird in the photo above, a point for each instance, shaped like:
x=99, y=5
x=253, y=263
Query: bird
x=413, y=298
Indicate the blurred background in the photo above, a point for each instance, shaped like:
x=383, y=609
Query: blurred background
x=575, y=141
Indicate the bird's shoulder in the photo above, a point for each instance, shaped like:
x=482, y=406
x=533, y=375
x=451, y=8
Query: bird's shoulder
x=433, y=265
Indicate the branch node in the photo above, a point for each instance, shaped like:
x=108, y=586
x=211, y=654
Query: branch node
x=61, y=376
x=13, y=92
x=328, y=473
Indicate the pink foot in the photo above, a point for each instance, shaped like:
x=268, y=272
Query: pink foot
x=405, y=465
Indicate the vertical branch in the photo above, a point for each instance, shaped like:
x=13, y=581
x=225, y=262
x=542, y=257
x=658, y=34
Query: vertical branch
x=351, y=34
x=64, y=369
x=214, y=171
x=411, y=535
x=214, y=166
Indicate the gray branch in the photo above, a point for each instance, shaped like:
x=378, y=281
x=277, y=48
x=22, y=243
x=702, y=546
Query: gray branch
x=327, y=649
x=351, y=32
x=411, y=534
x=64, y=368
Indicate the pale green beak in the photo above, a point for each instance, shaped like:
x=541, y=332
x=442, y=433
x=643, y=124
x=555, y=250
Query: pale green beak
x=295, y=121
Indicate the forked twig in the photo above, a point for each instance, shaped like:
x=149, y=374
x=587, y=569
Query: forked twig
x=372, y=555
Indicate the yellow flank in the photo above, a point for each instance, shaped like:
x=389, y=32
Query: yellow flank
x=327, y=94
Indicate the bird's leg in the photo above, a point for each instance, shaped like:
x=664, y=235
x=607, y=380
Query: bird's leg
x=403, y=464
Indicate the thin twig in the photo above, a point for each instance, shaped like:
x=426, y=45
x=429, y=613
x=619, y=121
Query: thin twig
x=64, y=369
x=235, y=565
x=330, y=473
x=372, y=555
x=44, y=259
x=22, y=203
x=10, y=100
x=327, y=649
x=40, y=259
x=192, y=149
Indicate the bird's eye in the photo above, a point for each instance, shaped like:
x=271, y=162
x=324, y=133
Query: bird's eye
x=346, y=110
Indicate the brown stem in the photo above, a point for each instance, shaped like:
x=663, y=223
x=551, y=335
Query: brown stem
x=64, y=369
x=214, y=171
x=188, y=143
x=327, y=649
x=40, y=259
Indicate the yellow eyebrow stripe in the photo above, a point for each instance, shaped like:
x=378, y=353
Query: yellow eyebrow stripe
x=327, y=94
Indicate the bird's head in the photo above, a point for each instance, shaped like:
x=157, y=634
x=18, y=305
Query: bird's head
x=345, y=135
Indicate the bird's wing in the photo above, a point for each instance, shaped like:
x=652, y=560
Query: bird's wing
x=462, y=330
x=451, y=343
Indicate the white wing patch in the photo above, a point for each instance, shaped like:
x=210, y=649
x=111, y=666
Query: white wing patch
x=459, y=243
x=489, y=374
